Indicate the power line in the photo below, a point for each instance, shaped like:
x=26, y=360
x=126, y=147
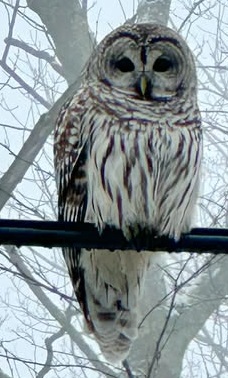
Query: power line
x=84, y=235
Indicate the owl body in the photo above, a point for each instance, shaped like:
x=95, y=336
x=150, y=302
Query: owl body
x=127, y=154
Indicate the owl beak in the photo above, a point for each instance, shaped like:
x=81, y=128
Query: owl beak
x=144, y=85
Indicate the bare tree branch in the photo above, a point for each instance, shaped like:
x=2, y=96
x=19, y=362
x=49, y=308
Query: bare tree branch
x=155, y=11
x=24, y=85
x=38, y=54
x=31, y=148
x=48, y=342
x=73, y=44
x=3, y=375
x=10, y=33
x=195, y=5
x=18, y=262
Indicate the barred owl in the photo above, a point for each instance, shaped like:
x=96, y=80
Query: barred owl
x=127, y=154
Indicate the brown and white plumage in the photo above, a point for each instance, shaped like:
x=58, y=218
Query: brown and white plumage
x=127, y=154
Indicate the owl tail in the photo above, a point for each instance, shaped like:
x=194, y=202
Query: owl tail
x=114, y=327
x=113, y=283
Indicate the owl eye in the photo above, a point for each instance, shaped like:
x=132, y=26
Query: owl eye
x=125, y=65
x=162, y=64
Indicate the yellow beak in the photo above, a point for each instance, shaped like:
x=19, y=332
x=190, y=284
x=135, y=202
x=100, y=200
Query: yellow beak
x=143, y=84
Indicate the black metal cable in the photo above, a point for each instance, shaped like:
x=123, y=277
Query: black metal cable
x=83, y=235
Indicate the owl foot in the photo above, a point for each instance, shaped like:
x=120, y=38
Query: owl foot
x=140, y=237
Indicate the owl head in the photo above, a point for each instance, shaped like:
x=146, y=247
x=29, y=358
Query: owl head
x=149, y=61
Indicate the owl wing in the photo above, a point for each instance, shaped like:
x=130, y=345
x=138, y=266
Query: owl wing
x=70, y=155
x=70, y=159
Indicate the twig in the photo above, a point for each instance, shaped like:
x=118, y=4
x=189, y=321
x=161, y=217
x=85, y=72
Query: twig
x=4, y=56
x=48, y=343
x=24, y=85
x=190, y=13
x=31, y=147
x=37, y=53
x=128, y=369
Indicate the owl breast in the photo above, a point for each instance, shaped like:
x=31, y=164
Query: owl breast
x=138, y=173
